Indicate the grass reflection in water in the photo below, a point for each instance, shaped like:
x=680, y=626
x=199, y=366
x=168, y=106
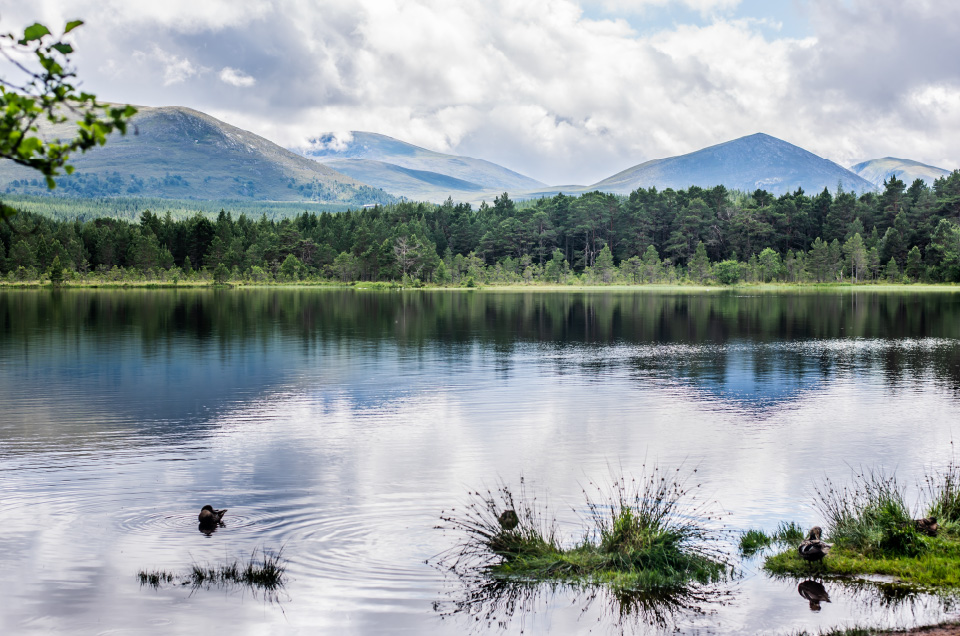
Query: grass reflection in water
x=648, y=550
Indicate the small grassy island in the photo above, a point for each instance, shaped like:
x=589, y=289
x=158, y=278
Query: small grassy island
x=873, y=532
x=639, y=536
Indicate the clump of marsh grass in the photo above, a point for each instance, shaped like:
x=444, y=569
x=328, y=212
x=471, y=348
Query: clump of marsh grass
x=653, y=530
x=870, y=515
x=942, y=490
x=639, y=535
x=155, y=578
x=788, y=533
x=266, y=572
x=486, y=541
x=755, y=541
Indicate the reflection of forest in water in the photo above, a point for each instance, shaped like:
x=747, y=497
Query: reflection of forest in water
x=726, y=343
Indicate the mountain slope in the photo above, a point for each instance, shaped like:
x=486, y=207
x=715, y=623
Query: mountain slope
x=411, y=171
x=748, y=163
x=185, y=154
x=879, y=170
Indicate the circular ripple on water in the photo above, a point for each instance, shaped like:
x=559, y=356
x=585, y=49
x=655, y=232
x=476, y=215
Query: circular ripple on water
x=152, y=520
x=376, y=544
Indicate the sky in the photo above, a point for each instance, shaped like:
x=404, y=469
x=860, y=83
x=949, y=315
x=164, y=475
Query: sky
x=564, y=91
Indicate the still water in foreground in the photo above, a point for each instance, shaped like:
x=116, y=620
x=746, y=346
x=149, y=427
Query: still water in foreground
x=339, y=424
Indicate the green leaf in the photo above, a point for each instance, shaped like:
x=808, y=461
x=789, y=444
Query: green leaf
x=66, y=49
x=71, y=25
x=35, y=32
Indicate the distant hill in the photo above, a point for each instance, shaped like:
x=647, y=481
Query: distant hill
x=879, y=170
x=748, y=163
x=411, y=171
x=181, y=153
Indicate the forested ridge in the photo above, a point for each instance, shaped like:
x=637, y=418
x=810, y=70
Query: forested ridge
x=902, y=234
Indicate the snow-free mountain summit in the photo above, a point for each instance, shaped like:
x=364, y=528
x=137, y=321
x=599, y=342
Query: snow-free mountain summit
x=749, y=163
x=180, y=153
x=879, y=170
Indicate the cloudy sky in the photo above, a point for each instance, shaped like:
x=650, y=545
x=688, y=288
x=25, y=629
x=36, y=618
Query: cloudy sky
x=564, y=91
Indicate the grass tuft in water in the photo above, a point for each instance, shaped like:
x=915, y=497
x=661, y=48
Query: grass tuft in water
x=155, y=578
x=266, y=571
x=640, y=535
x=754, y=541
x=942, y=489
x=789, y=533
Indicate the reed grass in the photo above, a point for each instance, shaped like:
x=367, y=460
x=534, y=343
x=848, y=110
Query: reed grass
x=755, y=541
x=942, y=490
x=266, y=571
x=870, y=516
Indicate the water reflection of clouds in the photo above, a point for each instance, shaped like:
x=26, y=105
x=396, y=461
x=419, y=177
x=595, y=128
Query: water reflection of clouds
x=347, y=448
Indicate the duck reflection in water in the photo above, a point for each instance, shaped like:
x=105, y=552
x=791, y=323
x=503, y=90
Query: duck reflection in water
x=210, y=520
x=815, y=593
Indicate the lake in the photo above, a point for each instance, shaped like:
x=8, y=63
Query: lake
x=338, y=425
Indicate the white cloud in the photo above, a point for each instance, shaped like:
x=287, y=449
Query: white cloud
x=705, y=7
x=236, y=77
x=537, y=85
x=175, y=69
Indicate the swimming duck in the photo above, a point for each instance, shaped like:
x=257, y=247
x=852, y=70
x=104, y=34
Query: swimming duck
x=927, y=525
x=813, y=549
x=815, y=593
x=210, y=517
x=508, y=520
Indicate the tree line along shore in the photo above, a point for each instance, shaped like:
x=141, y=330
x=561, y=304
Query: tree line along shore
x=701, y=236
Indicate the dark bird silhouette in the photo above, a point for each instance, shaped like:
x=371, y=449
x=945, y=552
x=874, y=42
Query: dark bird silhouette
x=927, y=525
x=815, y=593
x=210, y=519
x=508, y=520
x=813, y=549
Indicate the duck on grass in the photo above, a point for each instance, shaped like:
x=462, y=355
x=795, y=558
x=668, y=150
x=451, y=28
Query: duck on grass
x=639, y=534
x=872, y=530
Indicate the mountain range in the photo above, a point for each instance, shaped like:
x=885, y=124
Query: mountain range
x=411, y=171
x=180, y=153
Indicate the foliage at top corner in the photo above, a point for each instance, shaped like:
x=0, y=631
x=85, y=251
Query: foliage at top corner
x=45, y=88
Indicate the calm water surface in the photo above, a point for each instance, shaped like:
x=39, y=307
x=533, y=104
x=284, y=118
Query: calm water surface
x=339, y=424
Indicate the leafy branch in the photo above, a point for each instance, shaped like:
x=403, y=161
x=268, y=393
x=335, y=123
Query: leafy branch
x=46, y=90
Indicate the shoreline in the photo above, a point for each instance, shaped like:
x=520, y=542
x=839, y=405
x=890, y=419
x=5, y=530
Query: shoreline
x=508, y=287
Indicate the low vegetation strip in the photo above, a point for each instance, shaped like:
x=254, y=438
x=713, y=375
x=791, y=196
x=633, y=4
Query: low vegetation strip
x=938, y=566
x=639, y=535
x=266, y=571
